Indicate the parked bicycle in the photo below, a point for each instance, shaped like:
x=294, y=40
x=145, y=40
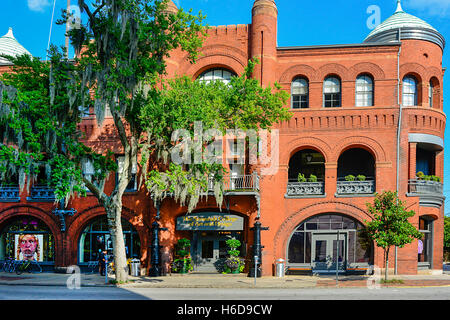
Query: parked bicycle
x=27, y=265
x=7, y=264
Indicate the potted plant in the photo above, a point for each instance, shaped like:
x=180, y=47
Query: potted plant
x=301, y=177
x=183, y=261
x=361, y=177
x=350, y=177
x=312, y=178
x=233, y=262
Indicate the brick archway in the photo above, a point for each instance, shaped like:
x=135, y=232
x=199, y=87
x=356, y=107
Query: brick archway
x=366, y=143
x=302, y=143
x=87, y=216
x=13, y=212
x=286, y=229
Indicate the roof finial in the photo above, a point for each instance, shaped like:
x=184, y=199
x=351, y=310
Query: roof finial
x=399, y=6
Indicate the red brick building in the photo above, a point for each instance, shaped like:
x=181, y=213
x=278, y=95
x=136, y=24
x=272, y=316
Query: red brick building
x=372, y=110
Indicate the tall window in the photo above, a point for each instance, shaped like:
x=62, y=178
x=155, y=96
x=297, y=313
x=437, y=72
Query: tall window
x=364, y=91
x=216, y=74
x=299, y=92
x=409, y=91
x=332, y=92
x=430, y=94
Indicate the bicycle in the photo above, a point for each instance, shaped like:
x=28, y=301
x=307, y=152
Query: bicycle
x=7, y=264
x=26, y=265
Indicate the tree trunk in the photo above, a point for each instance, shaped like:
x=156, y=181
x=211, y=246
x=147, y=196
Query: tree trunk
x=114, y=213
x=386, y=253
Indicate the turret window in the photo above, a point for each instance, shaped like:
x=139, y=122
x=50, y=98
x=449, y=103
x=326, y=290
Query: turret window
x=409, y=91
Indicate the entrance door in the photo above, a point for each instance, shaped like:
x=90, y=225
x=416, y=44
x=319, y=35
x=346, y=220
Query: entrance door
x=208, y=248
x=325, y=251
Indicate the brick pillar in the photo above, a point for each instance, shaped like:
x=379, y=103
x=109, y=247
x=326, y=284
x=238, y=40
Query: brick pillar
x=439, y=163
x=330, y=178
x=412, y=160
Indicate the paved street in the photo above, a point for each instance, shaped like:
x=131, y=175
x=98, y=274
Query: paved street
x=114, y=293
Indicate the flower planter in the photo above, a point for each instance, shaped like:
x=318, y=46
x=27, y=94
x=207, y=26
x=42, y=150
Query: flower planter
x=235, y=271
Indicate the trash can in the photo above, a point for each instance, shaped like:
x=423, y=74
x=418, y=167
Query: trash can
x=135, y=267
x=280, y=268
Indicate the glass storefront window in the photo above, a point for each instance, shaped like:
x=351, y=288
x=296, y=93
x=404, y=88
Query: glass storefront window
x=357, y=246
x=27, y=238
x=424, y=248
x=96, y=238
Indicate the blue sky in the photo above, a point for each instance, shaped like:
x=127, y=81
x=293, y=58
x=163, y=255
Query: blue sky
x=300, y=22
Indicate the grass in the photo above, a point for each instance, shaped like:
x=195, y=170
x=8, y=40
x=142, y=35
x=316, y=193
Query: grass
x=391, y=281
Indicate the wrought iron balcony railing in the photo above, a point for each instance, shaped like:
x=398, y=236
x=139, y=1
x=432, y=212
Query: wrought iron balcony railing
x=355, y=187
x=304, y=189
x=41, y=193
x=239, y=183
x=9, y=194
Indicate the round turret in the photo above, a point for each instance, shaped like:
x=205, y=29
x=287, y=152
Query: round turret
x=404, y=26
x=11, y=47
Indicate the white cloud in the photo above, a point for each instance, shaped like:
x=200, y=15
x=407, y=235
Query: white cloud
x=38, y=5
x=439, y=8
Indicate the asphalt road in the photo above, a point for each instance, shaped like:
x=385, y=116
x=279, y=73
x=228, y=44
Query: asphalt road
x=113, y=293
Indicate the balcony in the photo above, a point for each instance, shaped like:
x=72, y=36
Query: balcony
x=355, y=188
x=430, y=193
x=9, y=194
x=41, y=194
x=305, y=189
x=239, y=184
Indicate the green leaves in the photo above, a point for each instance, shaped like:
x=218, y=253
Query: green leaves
x=390, y=225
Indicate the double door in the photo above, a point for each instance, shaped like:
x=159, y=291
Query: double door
x=328, y=249
x=208, y=249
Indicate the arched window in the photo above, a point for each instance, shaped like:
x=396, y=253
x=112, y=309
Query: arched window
x=300, y=93
x=409, y=97
x=430, y=94
x=220, y=74
x=332, y=92
x=364, y=91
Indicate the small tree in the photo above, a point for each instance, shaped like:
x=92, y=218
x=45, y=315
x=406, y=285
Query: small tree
x=447, y=239
x=390, y=225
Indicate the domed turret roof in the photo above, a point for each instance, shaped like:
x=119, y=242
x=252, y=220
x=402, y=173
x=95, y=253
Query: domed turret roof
x=406, y=26
x=10, y=46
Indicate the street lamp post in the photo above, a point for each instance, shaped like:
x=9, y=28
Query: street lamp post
x=255, y=271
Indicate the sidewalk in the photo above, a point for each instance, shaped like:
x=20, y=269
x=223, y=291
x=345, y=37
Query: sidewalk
x=220, y=281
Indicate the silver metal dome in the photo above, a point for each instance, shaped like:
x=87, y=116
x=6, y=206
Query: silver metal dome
x=10, y=46
x=405, y=26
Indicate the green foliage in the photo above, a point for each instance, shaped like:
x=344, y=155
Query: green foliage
x=301, y=178
x=390, y=225
x=350, y=177
x=421, y=176
x=361, y=177
x=312, y=178
x=242, y=103
x=447, y=233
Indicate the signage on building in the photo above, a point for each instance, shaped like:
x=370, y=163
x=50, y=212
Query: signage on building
x=205, y=221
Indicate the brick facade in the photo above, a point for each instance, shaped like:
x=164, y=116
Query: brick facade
x=328, y=131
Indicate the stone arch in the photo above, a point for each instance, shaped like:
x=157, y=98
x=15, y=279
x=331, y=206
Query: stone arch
x=369, y=144
x=414, y=69
x=303, y=143
x=217, y=56
x=86, y=216
x=366, y=68
x=300, y=70
x=434, y=72
x=285, y=230
x=50, y=221
x=332, y=69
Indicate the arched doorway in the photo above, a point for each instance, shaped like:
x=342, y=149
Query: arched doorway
x=96, y=237
x=314, y=244
x=27, y=238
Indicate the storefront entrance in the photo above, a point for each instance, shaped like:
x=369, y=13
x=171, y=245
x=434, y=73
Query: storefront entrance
x=210, y=231
x=208, y=248
x=325, y=251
